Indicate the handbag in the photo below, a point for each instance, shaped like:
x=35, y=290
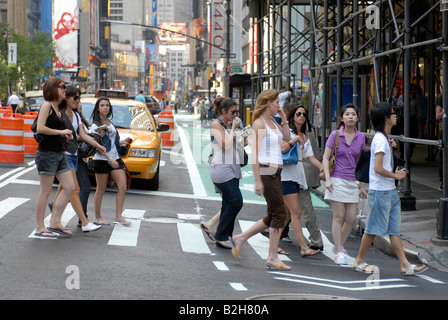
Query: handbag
x=86, y=150
x=363, y=166
x=332, y=162
x=291, y=156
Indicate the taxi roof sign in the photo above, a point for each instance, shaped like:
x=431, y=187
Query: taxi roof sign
x=111, y=94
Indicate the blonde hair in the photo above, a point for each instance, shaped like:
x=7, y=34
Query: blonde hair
x=263, y=99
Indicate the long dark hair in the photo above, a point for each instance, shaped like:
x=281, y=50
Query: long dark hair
x=96, y=119
x=306, y=127
x=378, y=115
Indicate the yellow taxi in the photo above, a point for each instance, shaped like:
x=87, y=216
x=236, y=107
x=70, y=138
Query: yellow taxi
x=133, y=119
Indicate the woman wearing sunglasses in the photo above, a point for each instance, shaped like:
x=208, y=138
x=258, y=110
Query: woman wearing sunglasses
x=73, y=122
x=51, y=161
x=225, y=170
x=293, y=175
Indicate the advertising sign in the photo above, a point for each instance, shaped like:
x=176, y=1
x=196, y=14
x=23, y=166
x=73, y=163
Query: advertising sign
x=65, y=33
x=12, y=55
x=178, y=34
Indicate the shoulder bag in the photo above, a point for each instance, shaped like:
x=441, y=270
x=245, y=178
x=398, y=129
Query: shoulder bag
x=332, y=162
x=291, y=156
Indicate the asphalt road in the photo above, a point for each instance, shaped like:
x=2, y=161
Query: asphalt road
x=166, y=256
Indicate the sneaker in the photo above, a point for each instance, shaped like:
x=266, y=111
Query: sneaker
x=341, y=258
x=90, y=227
x=343, y=250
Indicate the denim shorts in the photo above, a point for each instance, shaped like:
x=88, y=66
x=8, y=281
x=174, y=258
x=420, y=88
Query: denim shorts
x=385, y=213
x=72, y=161
x=290, y=187
x=51, y=163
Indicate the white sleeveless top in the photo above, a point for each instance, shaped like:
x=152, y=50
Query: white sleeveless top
x=270, y=150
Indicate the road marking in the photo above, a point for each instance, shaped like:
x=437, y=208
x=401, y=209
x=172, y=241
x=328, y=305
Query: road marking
x=195, y=177
x=127, y=235
x=259, y=242
x=14, y=177
x=329, y=283
x=238, y=286
x=221, y=266
x=10, y=204
x=427, y=278
x=191, y=238
x=68, y=214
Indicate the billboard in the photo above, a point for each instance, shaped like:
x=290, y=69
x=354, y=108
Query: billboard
x=65, y=33
x=172, y=32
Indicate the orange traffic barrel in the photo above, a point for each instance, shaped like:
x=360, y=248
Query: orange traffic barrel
x=4, y=111
x=30, y=143
x=12, y=149
x=166, y=117
x=167, y=136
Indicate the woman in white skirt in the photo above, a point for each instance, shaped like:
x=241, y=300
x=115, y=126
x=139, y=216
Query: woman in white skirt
x=342, y=188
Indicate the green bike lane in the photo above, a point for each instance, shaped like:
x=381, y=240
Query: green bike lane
x=198, y=138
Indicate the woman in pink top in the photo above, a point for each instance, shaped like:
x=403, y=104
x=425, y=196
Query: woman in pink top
x=342, y=188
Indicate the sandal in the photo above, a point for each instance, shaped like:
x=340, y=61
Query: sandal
x=101, y=222
x=412, y=272
x=281, y=251
x=364, y=268
x=207, y=232
x=308, y=252
x=279, y=267
x=123, y=222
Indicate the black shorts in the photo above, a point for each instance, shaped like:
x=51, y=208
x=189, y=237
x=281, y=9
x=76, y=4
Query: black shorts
x=103, y=167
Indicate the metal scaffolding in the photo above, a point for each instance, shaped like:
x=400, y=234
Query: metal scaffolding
x=368, y=45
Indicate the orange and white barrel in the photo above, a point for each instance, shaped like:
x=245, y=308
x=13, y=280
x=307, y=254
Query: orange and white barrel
x=30, y=143
x=12, y=148
x=167, y=136
x=4, y=111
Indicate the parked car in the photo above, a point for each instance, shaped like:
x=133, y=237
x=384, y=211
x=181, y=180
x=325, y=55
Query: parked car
x=133, y=119
x=152, y=103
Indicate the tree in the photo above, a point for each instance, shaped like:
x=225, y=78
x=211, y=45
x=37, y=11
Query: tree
x=35, y=59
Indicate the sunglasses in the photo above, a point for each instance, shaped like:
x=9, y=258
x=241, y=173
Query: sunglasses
x=234, y=112
x=396, y=111
x=75, y=98
x=301, y=114
x=63, y=87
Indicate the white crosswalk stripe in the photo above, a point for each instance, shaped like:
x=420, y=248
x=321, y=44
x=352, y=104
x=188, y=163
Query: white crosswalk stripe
x=10, y=204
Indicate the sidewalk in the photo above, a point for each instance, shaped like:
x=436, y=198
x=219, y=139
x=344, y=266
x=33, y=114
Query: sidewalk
x=418, y=227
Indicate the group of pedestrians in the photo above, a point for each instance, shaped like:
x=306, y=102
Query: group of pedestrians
x=285, y=185
x=60, y=126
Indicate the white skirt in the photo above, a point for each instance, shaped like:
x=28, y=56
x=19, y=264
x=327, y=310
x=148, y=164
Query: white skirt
x=345, y=191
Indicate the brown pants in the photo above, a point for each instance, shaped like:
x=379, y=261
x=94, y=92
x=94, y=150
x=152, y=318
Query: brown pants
x=276, y=211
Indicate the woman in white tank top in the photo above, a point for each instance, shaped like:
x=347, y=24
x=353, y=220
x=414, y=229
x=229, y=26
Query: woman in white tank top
x=267, y=166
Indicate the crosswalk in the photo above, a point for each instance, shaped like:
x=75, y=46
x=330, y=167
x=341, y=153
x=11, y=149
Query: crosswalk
x=193, y=241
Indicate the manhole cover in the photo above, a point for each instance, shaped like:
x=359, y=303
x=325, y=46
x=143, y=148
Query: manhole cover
x=297, y=296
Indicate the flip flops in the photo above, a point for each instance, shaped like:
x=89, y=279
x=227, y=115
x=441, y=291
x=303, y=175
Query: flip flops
x=46, y=235
x=62, y=231
x=207, y=232
x=279, y=267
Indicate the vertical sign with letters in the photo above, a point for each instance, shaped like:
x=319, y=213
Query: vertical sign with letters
x=217, y=28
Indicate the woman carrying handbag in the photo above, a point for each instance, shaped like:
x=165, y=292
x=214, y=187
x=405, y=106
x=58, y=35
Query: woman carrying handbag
x=293, y=175
x=342, y=188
